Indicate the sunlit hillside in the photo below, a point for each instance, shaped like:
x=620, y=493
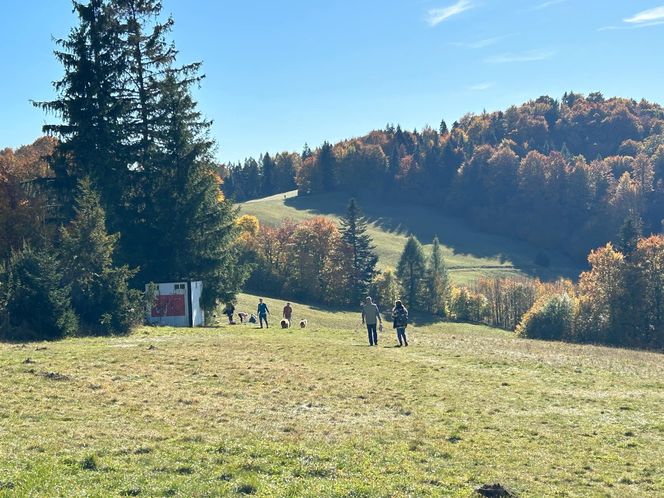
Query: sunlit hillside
x=469, y=253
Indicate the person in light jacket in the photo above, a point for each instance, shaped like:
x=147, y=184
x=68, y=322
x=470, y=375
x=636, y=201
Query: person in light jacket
x=371, y=316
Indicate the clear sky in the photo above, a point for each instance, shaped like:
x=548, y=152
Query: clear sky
x=284, y=72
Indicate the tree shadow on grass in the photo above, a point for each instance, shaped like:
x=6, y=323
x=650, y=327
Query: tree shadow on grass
x=426, y=223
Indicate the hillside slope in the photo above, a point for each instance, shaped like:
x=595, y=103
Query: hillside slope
x=234, y=410
x=469, y=253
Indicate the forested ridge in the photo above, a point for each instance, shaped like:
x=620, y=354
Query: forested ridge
x=563, y=174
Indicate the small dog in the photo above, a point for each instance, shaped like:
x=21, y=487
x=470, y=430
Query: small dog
x=303, y=323
x=285, y=323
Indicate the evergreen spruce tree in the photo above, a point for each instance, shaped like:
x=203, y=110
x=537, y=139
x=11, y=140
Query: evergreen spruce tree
x=437, y=281
x=306, y=152
x=150, y=59
x=194, y=222
x=354, y=233
x=251, y=178
x=92, y=108
x=267, y=175
x=411, y=271
x=38, y=302
x=443, y=128
x=327, y=163
x=100, y=291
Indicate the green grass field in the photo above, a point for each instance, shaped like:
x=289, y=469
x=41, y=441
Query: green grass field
x=236, y=411
x=469, y=253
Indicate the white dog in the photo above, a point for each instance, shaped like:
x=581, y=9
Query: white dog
x=303, y=323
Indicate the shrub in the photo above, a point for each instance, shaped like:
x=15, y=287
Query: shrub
x=590, y=324
x=550, y=318
x=38, y=305
x=468, y=306
x=386, y=289
x=101, y=295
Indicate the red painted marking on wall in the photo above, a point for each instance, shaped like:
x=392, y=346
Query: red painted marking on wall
x=169, y=305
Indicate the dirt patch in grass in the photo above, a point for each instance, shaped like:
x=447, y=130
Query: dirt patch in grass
x=56, y=376
x=495, y=490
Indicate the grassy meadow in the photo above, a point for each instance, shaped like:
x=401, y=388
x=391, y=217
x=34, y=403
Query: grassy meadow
x=239, y=411
x=469, y=253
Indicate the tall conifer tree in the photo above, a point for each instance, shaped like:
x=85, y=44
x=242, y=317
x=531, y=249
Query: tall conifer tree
x=92, y=107
x=437, y=280
x=354, y=234
x=267, y=175
x=100, y=290
x=411, y=271
x=327, y=163
x=194, y=224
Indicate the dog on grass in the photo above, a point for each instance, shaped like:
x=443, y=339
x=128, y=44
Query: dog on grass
x=285, y=323
x=303, y=323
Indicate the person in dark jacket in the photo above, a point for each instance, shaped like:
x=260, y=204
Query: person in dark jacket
x=400, y=318
x=229, y=310
x=263, y=311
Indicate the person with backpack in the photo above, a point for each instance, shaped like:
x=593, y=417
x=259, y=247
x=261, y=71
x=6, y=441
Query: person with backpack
x=400, y=318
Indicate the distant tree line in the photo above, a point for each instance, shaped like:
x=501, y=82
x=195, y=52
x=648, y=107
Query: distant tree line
x=130, y=192
x=254, y=179
x=564, y=175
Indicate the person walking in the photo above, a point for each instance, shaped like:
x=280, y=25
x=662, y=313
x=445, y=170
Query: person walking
x=400, y=317
x=229, y=310
x=371, y=316
x=263, y=311
x=288, y=313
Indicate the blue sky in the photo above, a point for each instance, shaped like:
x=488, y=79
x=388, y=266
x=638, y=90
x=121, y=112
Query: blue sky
x=284, y=72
